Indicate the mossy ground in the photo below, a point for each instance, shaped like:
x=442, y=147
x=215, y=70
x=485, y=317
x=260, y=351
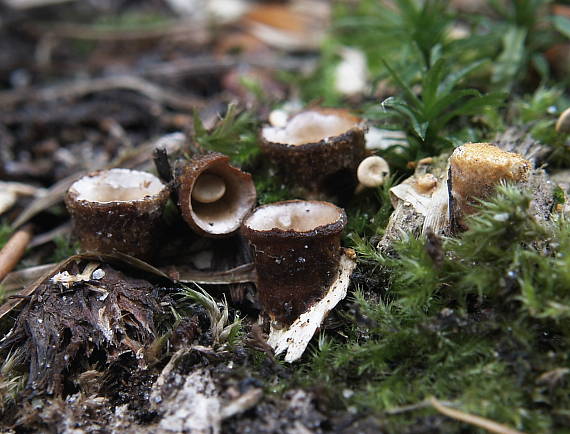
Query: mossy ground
x=481, y=320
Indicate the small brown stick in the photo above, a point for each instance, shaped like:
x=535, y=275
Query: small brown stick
x=200, y=65
x=80, y=88
x=14, y=249
x=479, y=421
x=160, y=158
x=241, y=274
x=192, y=33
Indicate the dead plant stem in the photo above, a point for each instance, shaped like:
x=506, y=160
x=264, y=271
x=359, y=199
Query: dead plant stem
x=14, y=249
x=471, y=419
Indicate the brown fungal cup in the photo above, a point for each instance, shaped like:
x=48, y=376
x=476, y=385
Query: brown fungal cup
x=213, y=196
x=475, y=169
x=296, y=247
x=318, y=149
x=117, y=210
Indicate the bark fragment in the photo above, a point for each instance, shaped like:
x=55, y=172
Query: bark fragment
x=89, y=322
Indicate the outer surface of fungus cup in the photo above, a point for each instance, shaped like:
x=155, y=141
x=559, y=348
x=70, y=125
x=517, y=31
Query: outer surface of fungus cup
x=317, y=149
x=296, y=247
x=117, y=209
x=475, y=170
x=213, y=196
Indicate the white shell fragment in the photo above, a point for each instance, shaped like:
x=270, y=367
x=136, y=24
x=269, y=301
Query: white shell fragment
x=351, y=73
x=98, y=274
x=220, y=11
x=294, y=339
x=372, y=171
x=209, y=188
x=117, y=185
x=308, y=127
x=378, y=138
x=195, y=407
x=89, y=272
x=429, y=205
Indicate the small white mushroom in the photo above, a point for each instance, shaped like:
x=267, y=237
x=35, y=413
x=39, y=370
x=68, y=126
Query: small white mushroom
x=371, y=172
x=209, y=188
x=563, y=123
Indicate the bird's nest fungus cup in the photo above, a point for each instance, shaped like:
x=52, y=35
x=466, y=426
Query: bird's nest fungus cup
x=213, y=196
x=318, y=150
x=296, y=248
x=475, y=169
x=117, y=210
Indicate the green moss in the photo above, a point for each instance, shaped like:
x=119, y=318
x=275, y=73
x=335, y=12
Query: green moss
x=269, y=189
x=64, y=248
x=426, y=117
x=369, y=212
x=480, y=329
x=5, y=234
x=234, y=135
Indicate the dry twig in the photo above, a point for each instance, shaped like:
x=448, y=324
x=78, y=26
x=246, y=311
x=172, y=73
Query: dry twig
x=79, y=88
x=191, y=32
x=471, y=419
x=14, y=249
x=244, y=273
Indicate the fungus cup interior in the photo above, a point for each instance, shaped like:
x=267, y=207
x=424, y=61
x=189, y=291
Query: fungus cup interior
x=225, y=214
x=116, y=185
x=298, y=216
x=310, y=127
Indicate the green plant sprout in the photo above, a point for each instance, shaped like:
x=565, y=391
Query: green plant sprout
x=234, y=135
x=222, y=330
x=426, y=116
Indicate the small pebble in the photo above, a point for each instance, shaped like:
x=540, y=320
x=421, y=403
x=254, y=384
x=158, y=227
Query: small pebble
x=98, y=274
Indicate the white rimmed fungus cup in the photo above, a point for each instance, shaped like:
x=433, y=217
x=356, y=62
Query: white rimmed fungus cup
x=117, y=210
x=296, y=251
x=317, y=151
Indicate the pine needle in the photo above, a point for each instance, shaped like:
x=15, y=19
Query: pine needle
x=471, y=419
